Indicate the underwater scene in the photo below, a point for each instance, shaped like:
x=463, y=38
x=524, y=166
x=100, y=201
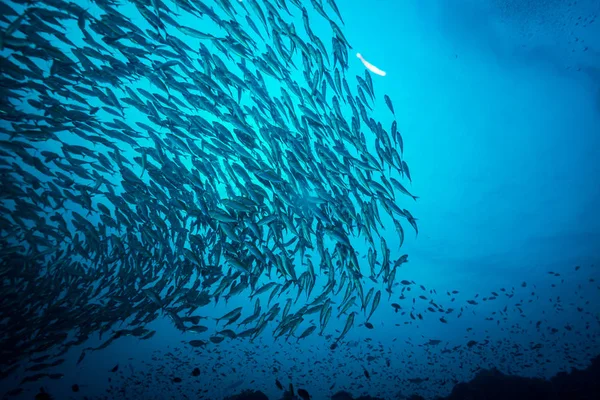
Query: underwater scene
x=299, y=199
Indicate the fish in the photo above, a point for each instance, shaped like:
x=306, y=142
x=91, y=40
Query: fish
x=197, y=343
x=304, y=395
x=376, y=300
x=307, y=332
x=389, y=104
x=371, y=67
x=197, y=328
x=347, y=326
x=151, y=172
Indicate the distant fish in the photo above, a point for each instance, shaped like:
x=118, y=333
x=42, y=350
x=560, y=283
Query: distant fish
x=236, y=384
x=43, y=395
x=370, y=66
x=304, y=395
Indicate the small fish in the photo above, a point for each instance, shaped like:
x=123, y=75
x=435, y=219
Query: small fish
x=216, y=339
x=388, y=101
x=367, y=375
x=81, y=357
x=303, y=394
x=197, y=328
x=375, y=304
x=370, y=66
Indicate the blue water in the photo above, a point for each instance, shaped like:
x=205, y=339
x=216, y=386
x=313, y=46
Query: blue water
x=499, y=106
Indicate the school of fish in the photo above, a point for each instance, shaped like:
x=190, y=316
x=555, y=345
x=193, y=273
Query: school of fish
x=151, y=168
